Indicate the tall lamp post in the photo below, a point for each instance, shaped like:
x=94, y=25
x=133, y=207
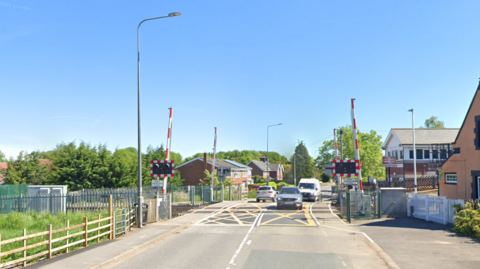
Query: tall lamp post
x=268, y=165
x=414, y=151
x=140, y=192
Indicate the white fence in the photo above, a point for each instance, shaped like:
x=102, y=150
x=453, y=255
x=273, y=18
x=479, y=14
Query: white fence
x=437, y=209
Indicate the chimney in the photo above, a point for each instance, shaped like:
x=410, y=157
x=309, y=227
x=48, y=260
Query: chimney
x=263, y=159
x=205, y=159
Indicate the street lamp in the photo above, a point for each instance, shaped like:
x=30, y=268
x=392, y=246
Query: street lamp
x=140, y=192
x=414, y=151
x=268, y=168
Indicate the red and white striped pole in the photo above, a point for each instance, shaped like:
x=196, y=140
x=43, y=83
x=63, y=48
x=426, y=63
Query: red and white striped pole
x=355, y=140
x=339, y=181
x=213, y=164
x=167, y=152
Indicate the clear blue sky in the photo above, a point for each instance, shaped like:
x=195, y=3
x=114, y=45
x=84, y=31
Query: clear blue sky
x=68, y=70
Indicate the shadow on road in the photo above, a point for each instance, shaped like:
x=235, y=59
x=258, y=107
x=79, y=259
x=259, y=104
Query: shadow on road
x=407, y=223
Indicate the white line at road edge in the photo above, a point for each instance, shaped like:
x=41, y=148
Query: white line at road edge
x=232, y=261
x=313, y=216
x=364, y=234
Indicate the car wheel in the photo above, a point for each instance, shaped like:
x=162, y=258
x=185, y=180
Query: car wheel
x=258, y=200
x=273, y=199
x=300, y=207
x=279, y=207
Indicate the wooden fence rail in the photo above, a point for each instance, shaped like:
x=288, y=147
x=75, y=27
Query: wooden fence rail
x=50, y=241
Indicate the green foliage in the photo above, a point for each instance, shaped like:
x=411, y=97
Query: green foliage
x=176, y=180
x=370, y=147
x=2, y=157
x=433, y=122
x=303, y=162
x=467, y=220
x=325, y=178
x=26, y=170
x=82, y=167
x=12, y=225
x=258, y=179
x=207, y=180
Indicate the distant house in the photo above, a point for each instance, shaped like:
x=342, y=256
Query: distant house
x=461, y=171
x=432, y=146
x=259, y=168
x=194, y=170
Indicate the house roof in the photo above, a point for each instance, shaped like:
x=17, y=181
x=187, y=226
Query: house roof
x=263, y=166
x=220, y=163
x=468, y=111
x=423, y=136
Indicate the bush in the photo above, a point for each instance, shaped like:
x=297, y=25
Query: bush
x=467, y=220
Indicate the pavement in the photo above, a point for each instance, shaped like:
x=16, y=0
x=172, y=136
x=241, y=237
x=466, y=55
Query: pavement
x=400, y=242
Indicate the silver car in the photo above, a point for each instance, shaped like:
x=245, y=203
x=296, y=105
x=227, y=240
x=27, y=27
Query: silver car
x=267, y=193
x=290, y=197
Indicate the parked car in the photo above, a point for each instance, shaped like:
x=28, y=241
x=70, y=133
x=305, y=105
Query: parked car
x=267, y=193
x=290, y=197
x=310, y=189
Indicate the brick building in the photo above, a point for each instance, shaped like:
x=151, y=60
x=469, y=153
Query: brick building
x=460, y=174
x=259, y=168
x=194, y=170
x=432, y=146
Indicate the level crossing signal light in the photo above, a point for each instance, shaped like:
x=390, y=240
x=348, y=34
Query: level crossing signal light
x=162, y=168
x=345, y=168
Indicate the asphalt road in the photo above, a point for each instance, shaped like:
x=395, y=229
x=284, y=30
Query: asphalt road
x=257, y=235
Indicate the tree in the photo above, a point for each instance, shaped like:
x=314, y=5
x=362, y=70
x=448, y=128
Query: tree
x=207, y=180
x=2, y=157
x=244, y=156
x=82, y=167
x=303, y=162
x=26, y=170
x=433, y=122
x=370, y=147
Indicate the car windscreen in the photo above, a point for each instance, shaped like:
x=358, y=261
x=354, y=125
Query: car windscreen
x=306, y=186
x=290, y=191
x=264, y=188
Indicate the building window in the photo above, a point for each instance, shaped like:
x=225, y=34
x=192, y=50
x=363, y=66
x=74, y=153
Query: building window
x=401, y=154
x=411, y=154
x=419, y=154
x=388, y=154
x=396, y=154
x=435, y=154
x=426, y=154
x=451, y=178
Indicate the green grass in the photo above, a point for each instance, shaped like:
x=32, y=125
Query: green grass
x=12, y=225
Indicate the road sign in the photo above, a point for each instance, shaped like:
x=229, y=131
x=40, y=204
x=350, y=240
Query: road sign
x=162, y=168
x=328, y=169
x=349, y=181
x=157, y=183
x=389, y=161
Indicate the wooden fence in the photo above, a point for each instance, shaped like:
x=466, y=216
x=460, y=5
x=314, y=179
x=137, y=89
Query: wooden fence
x=49, y=241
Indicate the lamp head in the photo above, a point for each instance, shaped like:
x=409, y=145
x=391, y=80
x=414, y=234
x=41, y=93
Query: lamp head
x=410, y=110
x=173, y=14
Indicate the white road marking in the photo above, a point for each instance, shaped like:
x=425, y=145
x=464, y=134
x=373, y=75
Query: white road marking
x=249, y=242
x=313, y=216
x=331, y=211
x=364, y=234
x=325, y=233
x=260, y=219
x=232, y=261
x=344, y=264
x=216, y=212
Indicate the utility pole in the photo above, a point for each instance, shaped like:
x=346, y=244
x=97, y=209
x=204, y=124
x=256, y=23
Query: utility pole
x=213, y=164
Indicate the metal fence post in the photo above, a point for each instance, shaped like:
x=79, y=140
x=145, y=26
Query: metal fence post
x=349, y=213
x=380, y=204
x=230, y=191
x=426, y=208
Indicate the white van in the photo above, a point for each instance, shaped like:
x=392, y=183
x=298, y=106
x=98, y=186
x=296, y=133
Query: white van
x=310, y=189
